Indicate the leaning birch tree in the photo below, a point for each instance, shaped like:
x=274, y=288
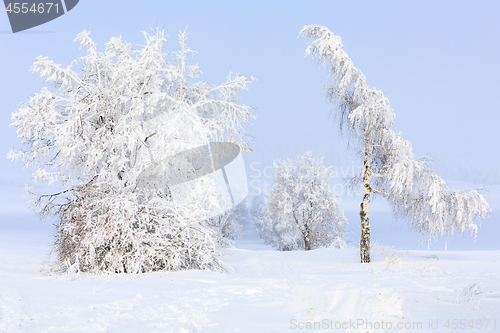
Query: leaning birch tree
x=389, y=168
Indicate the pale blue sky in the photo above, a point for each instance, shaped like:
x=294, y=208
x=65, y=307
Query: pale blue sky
x=437, y=62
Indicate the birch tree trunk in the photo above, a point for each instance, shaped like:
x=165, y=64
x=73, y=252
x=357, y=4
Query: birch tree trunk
x=307, y=244
x=364, y=245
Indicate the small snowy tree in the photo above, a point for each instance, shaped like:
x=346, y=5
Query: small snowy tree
x=389, y=167
x=104, y=120
x=256, y=205
x=301, y=212
x=264, y=219
x=227, y=226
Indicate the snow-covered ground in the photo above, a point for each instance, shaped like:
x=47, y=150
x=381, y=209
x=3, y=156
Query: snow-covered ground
x=265, y=291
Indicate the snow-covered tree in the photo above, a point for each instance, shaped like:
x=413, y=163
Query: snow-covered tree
x=256, y=205
x=300, y=211
x=264, y=219
x=227, y=226
x=98, y=125
x=390, y=169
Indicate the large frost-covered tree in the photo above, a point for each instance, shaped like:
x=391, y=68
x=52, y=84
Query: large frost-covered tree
x=390, y=169
x=101, y=122
x=300, y=211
